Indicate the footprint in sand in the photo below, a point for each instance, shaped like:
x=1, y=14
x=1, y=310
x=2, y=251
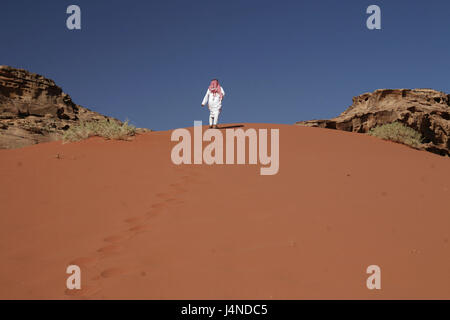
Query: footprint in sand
x=85, y=292
x=113, y=272
x=140, y=228
x=114, y=240
x=110, y=249
x=163, y=195
x=84, y=261
x=134, y=219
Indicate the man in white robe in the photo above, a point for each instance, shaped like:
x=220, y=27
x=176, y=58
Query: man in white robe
x=214, y=96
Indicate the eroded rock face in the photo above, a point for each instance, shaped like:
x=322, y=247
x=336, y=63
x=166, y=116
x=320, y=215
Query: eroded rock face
x=34, y=109
x=425, y=110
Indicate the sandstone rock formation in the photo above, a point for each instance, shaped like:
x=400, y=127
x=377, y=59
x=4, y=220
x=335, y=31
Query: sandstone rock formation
x=34, y=109
x=425, y=110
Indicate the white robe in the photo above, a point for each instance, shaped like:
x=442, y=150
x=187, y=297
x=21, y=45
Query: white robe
x=214, y=101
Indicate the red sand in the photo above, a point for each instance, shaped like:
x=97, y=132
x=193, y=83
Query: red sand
x=143, y=228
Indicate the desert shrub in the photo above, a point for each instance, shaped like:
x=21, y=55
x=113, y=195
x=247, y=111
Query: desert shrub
x=103, y=128
x=397, y=132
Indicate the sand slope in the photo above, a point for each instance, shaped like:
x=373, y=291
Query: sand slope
x=141, y=227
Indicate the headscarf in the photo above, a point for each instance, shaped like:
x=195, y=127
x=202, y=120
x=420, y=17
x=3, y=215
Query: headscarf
x=215, y=88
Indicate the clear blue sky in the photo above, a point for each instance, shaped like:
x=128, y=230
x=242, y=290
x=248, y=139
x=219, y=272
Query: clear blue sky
x=279, y=61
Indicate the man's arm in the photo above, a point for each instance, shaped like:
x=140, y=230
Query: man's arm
x=205, y=99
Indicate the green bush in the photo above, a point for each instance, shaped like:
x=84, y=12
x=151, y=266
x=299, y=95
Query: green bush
x=397, y=132
x=103, y=128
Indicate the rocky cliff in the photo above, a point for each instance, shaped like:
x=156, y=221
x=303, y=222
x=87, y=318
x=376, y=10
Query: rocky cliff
x=34, y=109
x=425, y=110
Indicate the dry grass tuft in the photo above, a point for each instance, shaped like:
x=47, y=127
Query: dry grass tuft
x=397, y=132
x=107, y=129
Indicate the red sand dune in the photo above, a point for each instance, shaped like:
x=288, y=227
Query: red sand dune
x=143, y=228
